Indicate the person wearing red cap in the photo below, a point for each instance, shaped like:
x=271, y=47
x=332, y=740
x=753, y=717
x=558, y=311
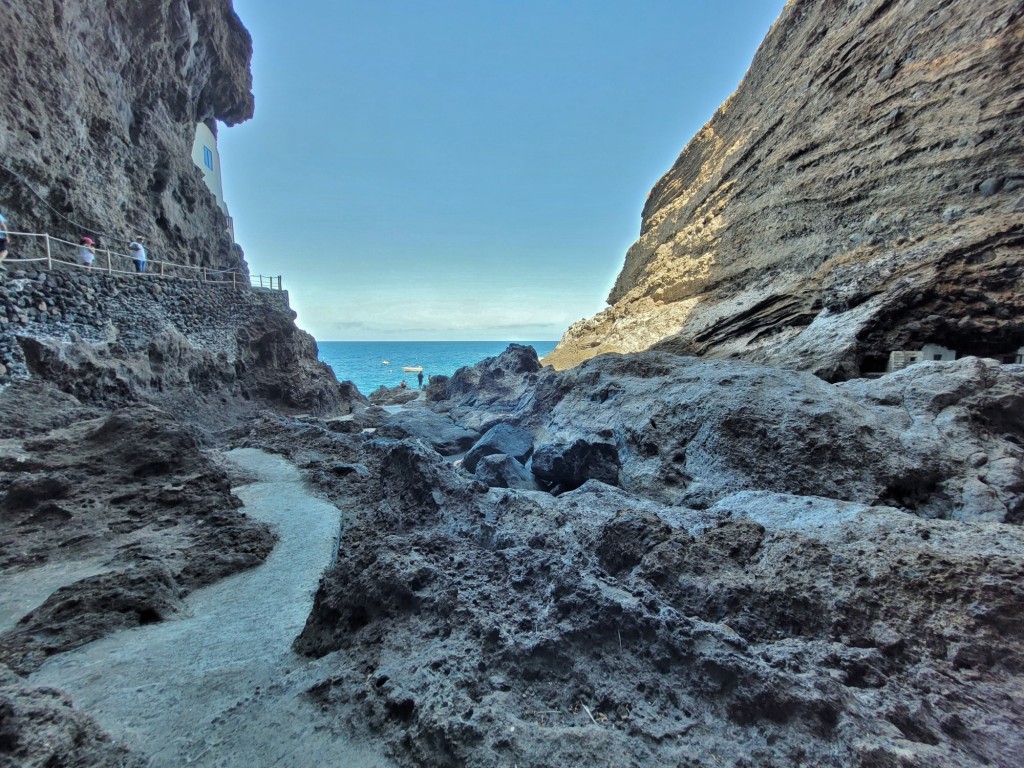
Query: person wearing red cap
x=87, y=252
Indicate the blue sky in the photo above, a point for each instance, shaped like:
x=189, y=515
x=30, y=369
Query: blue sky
x=467, y=170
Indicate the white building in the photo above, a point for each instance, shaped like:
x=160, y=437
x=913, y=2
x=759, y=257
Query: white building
x=206, y=156
x=899, y=359
x=935, y=352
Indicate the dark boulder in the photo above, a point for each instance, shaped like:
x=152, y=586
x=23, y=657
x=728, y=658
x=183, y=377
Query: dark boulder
x=393, y=395
x=502, y=471
x=502, y=438
x=437, y=388
x=437, y=430
x=565, y=467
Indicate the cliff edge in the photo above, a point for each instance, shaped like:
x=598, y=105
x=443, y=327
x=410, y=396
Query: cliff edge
x=98, y=113
x=861, y=192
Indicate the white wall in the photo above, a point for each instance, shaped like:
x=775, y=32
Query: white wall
x=935, y=352
x=212, y=177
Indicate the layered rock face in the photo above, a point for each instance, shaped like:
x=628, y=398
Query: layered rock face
x=861, y=192
x=730, y=564
x=98, y=108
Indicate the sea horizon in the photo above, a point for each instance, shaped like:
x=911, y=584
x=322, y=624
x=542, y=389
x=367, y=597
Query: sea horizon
x=372, y=364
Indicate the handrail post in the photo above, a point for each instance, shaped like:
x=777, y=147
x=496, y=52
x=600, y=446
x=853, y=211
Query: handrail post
x=233, y=280
x=49, y=257
x=203, y=273
x=110, y=261
x=161, y=266
x=279, y=283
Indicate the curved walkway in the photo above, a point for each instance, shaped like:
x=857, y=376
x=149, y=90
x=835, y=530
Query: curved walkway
x=222, y=686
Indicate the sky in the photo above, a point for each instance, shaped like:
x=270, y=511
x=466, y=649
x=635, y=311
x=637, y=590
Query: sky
x=467, y=169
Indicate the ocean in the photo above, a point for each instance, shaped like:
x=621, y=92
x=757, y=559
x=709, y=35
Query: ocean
x=361, y=362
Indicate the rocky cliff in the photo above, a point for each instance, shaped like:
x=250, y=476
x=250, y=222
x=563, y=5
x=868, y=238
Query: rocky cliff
x=98, y=108
x=861, y=192
x=732, y=565
x=116, y=390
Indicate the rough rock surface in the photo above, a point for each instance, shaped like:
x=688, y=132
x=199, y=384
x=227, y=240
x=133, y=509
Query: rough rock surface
x=860, y=192
x=188, y=345
x=567, y=466
x=393, y=395
x=131, y=493
x=939, y=439
x=501, y=385
x=499, y=470
x=39, y=728
x=769, y=586
x=98, y=109
x=501, y=438
x=438, y=430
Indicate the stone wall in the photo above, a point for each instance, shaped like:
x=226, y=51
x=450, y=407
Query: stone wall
x=111, y=339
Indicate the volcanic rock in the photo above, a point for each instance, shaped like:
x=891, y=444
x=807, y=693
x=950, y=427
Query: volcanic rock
x=437, y=430
x=39, y=728
x=503, y=382
x=499, y=470
x=691, y=431
x=846, y=201
x=599, y=627
x=393, y=395
x=567, y=466
x=501, y=438
x=131, y=492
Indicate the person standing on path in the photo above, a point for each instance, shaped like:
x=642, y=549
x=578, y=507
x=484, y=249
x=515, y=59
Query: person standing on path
x=138, y=256
x=3, y=242
x=420, y=377
x=87, y=252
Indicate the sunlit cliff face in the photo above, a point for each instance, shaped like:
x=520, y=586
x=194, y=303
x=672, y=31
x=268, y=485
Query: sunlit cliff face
x=858, y=194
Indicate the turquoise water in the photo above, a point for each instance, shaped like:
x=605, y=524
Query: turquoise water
x=360, y=361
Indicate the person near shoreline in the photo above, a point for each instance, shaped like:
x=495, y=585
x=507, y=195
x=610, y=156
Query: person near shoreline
x=138, y=256
x=87, y=252
x=3, y=242
x=420, y=377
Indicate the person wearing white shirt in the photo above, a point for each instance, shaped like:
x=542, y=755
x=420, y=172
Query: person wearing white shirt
x=138, y=256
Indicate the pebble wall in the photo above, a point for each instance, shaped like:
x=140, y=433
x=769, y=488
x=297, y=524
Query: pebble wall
x=131, y=310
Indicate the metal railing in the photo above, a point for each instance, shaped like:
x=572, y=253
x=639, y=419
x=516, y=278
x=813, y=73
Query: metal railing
x=266, y=282
x=57, y=253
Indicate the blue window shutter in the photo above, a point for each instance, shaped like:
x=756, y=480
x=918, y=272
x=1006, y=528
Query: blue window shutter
x=208, y=157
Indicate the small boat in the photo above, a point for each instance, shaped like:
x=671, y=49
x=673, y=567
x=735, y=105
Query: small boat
x=385, y=362
x=412, y=368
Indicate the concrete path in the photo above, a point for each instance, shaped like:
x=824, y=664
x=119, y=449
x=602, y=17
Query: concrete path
x=222, y=687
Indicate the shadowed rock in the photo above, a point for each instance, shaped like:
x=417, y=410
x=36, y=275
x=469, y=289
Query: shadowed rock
x=437, y=430
x=566, y=467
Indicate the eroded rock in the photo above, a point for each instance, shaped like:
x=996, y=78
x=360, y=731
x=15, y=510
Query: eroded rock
x=133, y=491
x=598, y=626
